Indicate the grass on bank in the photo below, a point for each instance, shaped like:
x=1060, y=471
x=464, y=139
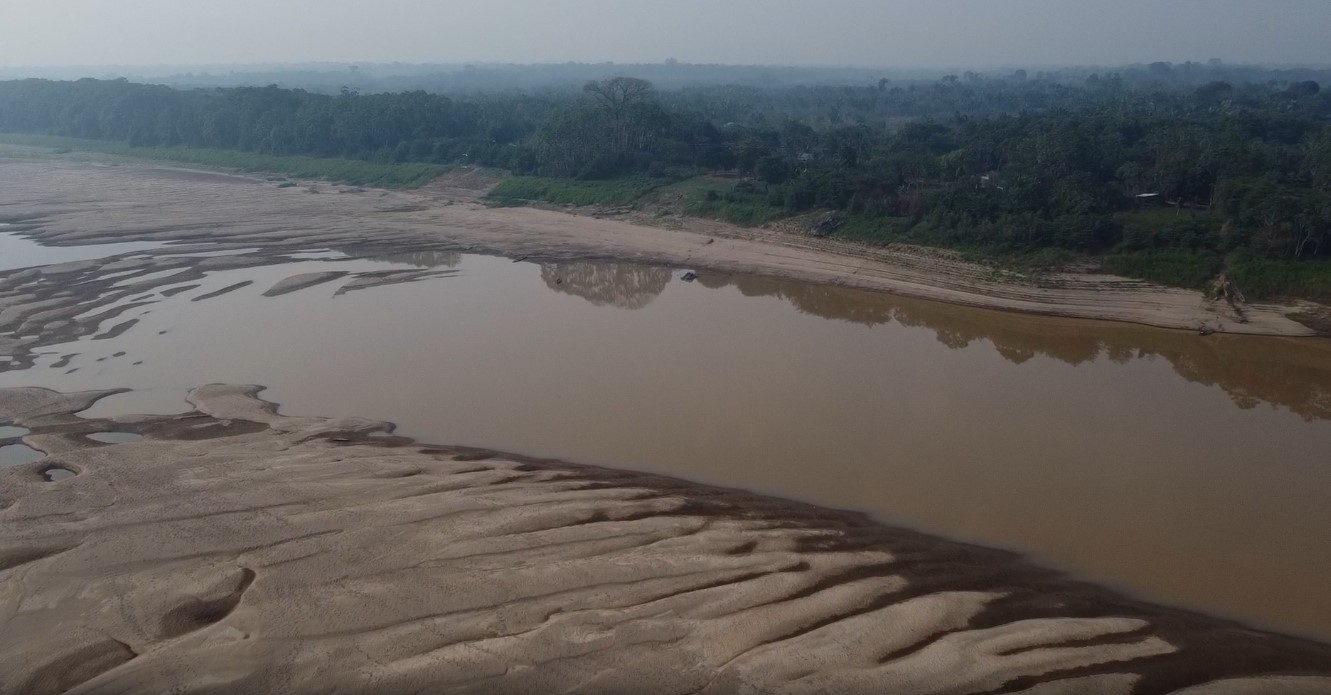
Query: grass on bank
x=741, y=203
x=349, y=171
x=1188, y=268
x=1266, y=278
x=519, y=190
x=876, y=231
x=698, y=196
x=738, y=212
x=1257, y=277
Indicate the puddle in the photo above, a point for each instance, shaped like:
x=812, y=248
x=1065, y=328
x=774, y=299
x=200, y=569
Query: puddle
x=12, y=432
x=149, y=277
x=19, y=454
x=114, y=437
x=317, y=255
x=17, y=251
x=422, y=259
x=206, y=253
x=56, y=474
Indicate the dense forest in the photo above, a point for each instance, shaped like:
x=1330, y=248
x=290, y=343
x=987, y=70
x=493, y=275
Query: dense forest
x=1169, y=173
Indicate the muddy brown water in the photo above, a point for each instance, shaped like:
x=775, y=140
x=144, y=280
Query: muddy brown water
x=21, y=252
x=1190, y=470
x=56, y=474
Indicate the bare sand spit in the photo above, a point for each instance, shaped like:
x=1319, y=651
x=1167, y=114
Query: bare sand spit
x=64, y=201
x=233, y=549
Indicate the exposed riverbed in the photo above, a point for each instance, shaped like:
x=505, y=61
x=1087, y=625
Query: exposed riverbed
x=1186, y=469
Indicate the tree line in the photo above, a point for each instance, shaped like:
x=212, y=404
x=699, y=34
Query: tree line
x=1008, y=163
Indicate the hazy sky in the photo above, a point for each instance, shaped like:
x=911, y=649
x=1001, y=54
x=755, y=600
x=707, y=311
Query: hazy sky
x=907, y=33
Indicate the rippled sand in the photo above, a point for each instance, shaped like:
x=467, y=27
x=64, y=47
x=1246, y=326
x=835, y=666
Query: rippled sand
x=237, y=550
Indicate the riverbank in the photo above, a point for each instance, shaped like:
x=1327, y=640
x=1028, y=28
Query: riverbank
x=59, y=199
x=235, y=548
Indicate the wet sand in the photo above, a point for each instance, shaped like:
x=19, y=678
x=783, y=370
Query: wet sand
x=233, y=549
x=82, y=202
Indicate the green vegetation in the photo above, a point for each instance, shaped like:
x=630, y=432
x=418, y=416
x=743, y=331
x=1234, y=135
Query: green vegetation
x=1029, y=263
x=1178, y=267
x=1265, y=278
x=1155, y=228
x=877, y=230
x=1162, y=171
x=740, y=212
x=1257, y=277
x=350, y=171
x=523, y=189
x=739, y=202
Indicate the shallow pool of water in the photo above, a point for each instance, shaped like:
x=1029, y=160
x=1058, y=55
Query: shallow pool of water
x=1188, y=469
x=114, y=437
x=18, y=251
x=19, y=455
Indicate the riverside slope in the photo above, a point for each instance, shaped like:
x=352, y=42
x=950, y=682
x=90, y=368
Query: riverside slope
x=234, y=549
x=73, y=201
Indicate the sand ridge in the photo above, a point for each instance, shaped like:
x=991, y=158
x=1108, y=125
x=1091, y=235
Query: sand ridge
x=236, y=549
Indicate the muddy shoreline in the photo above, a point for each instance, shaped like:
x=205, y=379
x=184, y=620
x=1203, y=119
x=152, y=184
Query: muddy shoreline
x=59, y=199
x=236, y=548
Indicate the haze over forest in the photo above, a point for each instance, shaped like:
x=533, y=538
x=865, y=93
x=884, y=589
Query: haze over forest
x=947, y=33
x=955, y=347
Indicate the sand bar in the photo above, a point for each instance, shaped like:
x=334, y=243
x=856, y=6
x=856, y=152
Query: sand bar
x=234, y=549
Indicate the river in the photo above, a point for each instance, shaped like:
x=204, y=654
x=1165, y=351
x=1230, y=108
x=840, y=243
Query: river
x=1186, y=469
